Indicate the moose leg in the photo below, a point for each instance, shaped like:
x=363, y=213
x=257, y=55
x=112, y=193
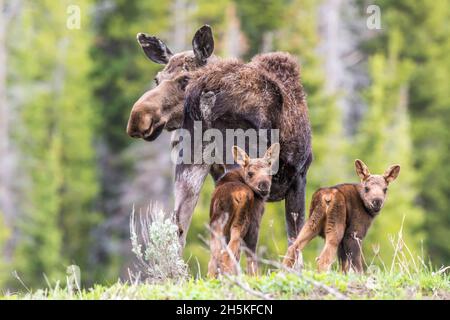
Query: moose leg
x=217, y=171
x=295, y=208
x=188, y=182
x=251, y=241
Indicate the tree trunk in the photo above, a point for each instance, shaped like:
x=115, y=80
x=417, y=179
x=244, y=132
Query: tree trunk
x=6, y=205
x=7, y=194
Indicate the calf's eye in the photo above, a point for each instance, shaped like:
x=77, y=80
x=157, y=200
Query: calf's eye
x=385, y=190
x=366, y=189
x=250, y=174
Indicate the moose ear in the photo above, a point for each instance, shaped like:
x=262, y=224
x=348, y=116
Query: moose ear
x=391, y=173
x=272, y=153
x=361, y=169
x=240, y=156
x=203, y=44
x=154, y=49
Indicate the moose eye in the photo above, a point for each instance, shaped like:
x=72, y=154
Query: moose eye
x=183, y=81
x=367, y=189
x=250, y=174
x=156, y=81
x=385, y=190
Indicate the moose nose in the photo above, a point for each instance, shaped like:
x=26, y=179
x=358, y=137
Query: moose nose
x=263, y=186
x=377, y=204
x=133, y=131
x=135, y=134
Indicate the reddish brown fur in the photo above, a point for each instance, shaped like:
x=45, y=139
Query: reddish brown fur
x=236, y=209
x=342, y=214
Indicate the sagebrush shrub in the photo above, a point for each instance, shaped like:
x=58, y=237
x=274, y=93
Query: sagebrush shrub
x=157, y=249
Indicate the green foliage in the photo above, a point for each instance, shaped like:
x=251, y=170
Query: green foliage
x=274, y=285
x=58, y=125
x=257, y=18
x=384, y=139
x=424, y=30
x=5, y=235
x=76, y=87
x=214, y=14
x=122, y=72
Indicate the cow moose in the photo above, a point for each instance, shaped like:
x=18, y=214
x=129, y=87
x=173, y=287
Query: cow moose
x=342, y=215
x=263, y=94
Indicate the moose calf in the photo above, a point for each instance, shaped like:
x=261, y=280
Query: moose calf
x=342, y=215
x=237, y=206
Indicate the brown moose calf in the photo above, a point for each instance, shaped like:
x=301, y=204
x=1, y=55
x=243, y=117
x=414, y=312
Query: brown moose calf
x=342, y=215
x=237, y=206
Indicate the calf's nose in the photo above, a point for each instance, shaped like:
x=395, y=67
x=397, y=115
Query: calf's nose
x=377, y=203
x=263, y=186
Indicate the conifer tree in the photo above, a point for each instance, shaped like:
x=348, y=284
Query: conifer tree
x=56, y=139
x=423, y=26
x=383, y=139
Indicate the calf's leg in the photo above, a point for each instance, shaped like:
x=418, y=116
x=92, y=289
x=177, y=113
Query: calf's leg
x=310, y=230
x=353, y=253
x=215, y=246
x=334, y=232
x=343, y=259
x=231, y=255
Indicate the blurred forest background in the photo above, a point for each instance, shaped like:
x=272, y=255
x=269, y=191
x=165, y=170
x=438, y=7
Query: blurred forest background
x=69, y=174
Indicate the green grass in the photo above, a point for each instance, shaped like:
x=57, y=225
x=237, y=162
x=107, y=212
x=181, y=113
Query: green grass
x=406, y=276
x=275, y=285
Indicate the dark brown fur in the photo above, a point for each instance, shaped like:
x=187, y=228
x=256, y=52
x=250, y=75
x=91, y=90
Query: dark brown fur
x=342, y=214
x=265, y=93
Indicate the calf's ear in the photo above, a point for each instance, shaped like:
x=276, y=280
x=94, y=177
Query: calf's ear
x=154, y=48
x=203, y=44
x=272, y=153
x=240, y=156
x=391, y=173
x=361, y=169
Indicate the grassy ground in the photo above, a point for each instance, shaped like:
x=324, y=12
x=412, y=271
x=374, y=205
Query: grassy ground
x=276, y=285
x=406, y=277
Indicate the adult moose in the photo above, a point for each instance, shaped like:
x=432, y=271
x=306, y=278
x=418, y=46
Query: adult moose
x=262, y=94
